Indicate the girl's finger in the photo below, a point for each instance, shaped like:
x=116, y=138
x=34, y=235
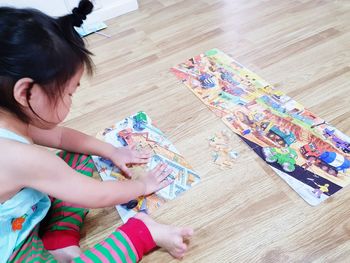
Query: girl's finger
x=139, y=161
x=163, y=168
x=145, y=150
x=125, y=170
x=159, y=168
x=164, y=184
x=164, y=174
x=143, y=155
x=132, y=146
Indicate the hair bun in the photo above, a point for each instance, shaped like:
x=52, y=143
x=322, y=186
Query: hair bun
x=79, y=13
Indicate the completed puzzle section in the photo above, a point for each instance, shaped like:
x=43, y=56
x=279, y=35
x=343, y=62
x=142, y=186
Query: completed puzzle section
x=307, y=152
x=139, y=131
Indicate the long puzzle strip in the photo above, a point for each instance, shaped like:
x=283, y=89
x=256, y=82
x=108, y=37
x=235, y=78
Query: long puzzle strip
x=311, y=155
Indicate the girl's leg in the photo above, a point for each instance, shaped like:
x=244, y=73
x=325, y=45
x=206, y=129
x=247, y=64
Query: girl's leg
x=127, y=244
x=134, y=239
x=61, y=227
x=173, y=239
x=31, y=250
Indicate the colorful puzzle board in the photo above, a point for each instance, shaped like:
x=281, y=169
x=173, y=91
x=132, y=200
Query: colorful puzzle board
x=139, y=130
x=307, y=152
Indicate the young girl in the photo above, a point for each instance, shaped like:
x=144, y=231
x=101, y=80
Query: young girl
x=41, y=62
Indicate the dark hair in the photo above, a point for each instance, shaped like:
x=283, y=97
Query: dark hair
x=45, y=49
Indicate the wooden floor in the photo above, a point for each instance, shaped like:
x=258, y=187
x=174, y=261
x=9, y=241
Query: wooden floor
x=247, y=214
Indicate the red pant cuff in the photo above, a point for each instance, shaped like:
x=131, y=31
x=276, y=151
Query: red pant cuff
x=60, y=238
x=139, y=235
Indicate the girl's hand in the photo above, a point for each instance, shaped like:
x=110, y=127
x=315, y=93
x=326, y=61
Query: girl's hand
x=155, y=179
x=129, y=155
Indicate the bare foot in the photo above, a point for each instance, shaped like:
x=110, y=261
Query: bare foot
x=168, y=237
x=66, y=254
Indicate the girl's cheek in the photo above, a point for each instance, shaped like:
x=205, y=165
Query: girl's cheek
x=65, y=109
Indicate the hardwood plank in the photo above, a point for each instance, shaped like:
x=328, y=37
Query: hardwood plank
x=302, y=46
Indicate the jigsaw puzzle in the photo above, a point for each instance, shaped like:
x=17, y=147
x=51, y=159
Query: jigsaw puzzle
x=311, y=155
x=138, y=130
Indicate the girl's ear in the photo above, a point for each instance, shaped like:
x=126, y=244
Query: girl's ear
x=21, y=89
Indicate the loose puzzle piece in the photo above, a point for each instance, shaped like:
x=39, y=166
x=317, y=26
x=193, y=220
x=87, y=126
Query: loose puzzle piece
x=311, y=155
x=138, y=130
x=223, y=153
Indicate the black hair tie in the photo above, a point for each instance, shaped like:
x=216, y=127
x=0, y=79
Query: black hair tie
x=79, y=13
x=78, y=18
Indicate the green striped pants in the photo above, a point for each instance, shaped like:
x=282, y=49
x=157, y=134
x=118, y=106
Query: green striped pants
x=61, y=228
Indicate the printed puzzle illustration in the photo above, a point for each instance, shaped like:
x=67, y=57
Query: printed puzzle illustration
x=139, y=130
x=307, y=152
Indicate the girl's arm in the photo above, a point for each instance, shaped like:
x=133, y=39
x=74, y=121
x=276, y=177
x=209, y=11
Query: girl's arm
x=44, y=171
x=75, y=141
x=70, y=140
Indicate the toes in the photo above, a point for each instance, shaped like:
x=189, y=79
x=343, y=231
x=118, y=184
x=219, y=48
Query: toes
x=182, y=247
x=179, y=252
x=187, y=232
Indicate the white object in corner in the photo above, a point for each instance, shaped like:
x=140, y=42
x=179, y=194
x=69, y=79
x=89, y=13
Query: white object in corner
x=105, y=9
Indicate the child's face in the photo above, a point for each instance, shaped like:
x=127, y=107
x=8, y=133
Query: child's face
x=53, y=113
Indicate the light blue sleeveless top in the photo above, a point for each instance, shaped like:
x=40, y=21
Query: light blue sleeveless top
x=20, y=214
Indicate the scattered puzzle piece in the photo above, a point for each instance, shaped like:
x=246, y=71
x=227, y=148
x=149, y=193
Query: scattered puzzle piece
x=223, y=153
